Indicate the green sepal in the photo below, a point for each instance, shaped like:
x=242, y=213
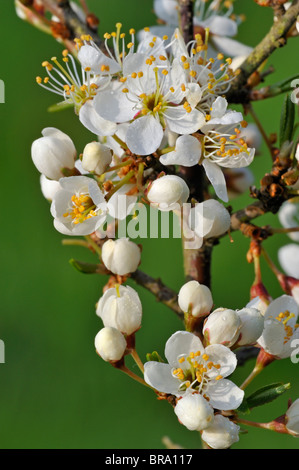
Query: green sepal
x=267, y=394
x=287, y=118
x=86, y=268
x=154, y=356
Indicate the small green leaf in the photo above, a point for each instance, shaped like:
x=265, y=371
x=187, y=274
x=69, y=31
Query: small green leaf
x=244, y=408
x=267, y=394
x=86, y=268
x=287, y=118
x=154, y=356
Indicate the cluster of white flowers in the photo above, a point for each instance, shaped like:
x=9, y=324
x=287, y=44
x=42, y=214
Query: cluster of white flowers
x=165, y=101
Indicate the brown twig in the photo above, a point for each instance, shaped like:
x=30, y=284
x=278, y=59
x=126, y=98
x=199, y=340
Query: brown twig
x=276, y=38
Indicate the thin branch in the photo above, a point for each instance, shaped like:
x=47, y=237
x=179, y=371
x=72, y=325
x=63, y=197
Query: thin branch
x=275, y=39
x=163, y=294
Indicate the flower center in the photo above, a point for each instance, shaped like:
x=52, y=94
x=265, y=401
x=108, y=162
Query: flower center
x=195, y=371
x=82, y=208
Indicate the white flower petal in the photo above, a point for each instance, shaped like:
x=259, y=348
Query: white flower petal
x=222, y=355
x=114, y=106
x=181, y=122
x=158, y=375
x=230, y=47
x=144, y=135
x=181, y=342
x=94, y=122
x=216, y=177
x=225, y=395
x=288, y=257
x=187, y=152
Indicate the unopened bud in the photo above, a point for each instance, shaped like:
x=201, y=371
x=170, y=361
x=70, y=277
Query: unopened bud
x=167, y=192
x=96, y=158
x=53, y=152
x=252, y=325
x=209, y=219
x=121, y=256
x=195, y=298
x=120, y=308
x=221, y=434
x=110, y=344
x=222, y=327
x=194, y=412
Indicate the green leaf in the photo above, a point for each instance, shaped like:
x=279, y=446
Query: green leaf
x=86, y=268
x=287, y=118
x=154, y=356
x=244, y=408
x=267, y=394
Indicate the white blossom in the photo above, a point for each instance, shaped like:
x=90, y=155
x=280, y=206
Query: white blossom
x=96, y=158
x=49, y=187
x=79, y=208
x=110, y=344
x=209, y=219
x=222, y=326
x=121, y=256
x=218, y=146
x=191, y=368
x=292, y=418
x=53, y=152
x=288, y=256
x=280, y=327
x=167, y=192
x=288, y=215
x=194, y=412
x=195, y=298
x=221, y=434
x=120, y=308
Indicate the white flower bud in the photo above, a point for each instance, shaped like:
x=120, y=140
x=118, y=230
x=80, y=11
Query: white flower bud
x=120, y=308
x=167, y=192
x=96, y=158
x=53, y=152
x=209, y=219
x=221, y=434
x=49, y=187
x=194, y=412
x=252, y=325
x=195, y=298
x=222, y=327
x=110, y=344
x=292, y=418
x=121, y=256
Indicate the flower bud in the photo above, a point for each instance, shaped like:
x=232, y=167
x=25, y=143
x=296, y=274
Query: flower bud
x=252, y=325
x=96, y=158
x=194, y=412
x=121, y=256
x=221, y=434
x=209, y=219
x=292, y=418
x=167, y=192
x=222, y=327
x=53, y=152
x=195, y=298
x=110, y=344
x=120, y=308
x=49, y=187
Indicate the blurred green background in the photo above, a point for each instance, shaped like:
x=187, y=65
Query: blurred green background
x=55, y=392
